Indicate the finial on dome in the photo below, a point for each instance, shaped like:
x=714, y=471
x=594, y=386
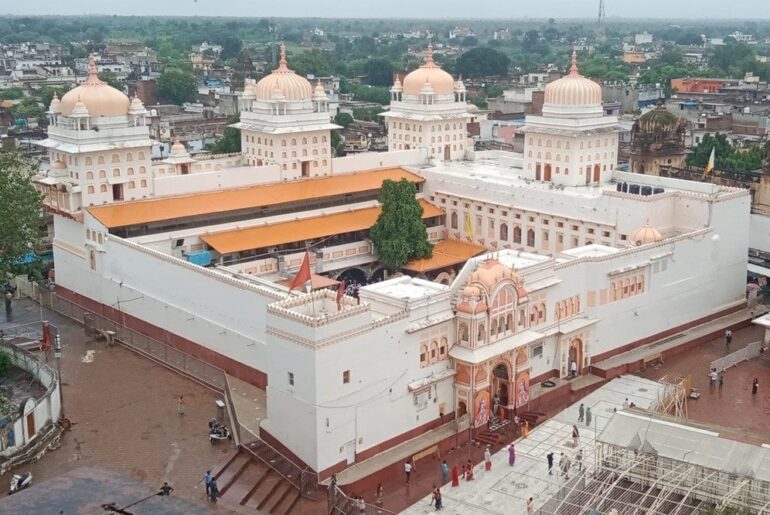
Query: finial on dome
x=93, y=73
x=429, y=55
x=282, y=61
x=573, y=70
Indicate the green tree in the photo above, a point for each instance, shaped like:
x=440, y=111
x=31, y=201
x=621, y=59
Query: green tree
x=20, y=211
x=400, y=235
x=177, y=87
x=231, y=47
x=110, y=78
x=379, y=71
x=13, y=93
x=367, y=114
x=482, y=62
x=28, y=108
x=230, y=141
x=343, y=119
x=337, y=144
x=728, y=158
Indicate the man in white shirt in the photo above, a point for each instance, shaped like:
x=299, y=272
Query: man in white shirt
x=573, y=369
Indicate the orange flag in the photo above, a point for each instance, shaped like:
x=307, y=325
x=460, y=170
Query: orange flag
x=303, y=275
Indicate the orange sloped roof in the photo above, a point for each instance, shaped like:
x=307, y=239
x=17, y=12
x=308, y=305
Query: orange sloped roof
x=445, y=253
x=301, y=230
x=318, y=282
x=156, y=210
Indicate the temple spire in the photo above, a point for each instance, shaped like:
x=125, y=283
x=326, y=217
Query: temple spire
x=573, y=70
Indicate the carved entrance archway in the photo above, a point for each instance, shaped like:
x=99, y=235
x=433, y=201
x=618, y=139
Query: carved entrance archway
x=576, y=355
x=502, y=384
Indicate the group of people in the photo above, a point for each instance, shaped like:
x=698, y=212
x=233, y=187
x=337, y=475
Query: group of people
x=584, y=414
x=212, y=490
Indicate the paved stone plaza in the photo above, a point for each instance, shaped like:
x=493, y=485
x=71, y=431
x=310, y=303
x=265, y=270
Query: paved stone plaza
x=505, y=489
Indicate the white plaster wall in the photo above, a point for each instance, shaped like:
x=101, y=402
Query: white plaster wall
x=370, y=160
x=217, y=180
x=759, y=236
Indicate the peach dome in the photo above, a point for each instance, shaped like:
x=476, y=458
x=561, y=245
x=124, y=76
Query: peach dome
x=573, y=89
x=431, y=73
x=99, y=98
x=283, y=83
x=645, y=235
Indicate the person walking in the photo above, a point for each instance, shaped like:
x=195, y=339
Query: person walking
x=444, y=472
x=469, y=471
x=379, y=493
x=588, y=416
x=581, y=412
x=575, y=436
x=165, y=489
x=408, y=471
x=207, y=477
x=361, y=504
x=530, y=505
x=439, y=502
x=564, y=464
x=180, y=406
x=721, y=379
x=455, y=476
x=511, y=455
x=728, y=338
x=213, y=490
x=713, y=377
x=573, y=369
x=579, y=460
x=625, y=403
x=755, y=386
x=487, y=459
x=549, y=458
x=525, y=429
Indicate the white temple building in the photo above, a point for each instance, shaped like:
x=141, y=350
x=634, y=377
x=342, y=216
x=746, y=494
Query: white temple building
x=543, y=258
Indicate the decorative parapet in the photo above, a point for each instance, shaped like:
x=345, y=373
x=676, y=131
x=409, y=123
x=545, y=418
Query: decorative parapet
x=629, y=251
x=330, y=340
x=213, y=274
x=349, y=308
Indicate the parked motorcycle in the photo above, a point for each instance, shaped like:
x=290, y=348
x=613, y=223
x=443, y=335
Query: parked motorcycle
x=219, y=433
x=20, y=482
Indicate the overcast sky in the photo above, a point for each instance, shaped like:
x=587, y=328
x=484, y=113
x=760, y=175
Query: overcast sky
x=500, y=9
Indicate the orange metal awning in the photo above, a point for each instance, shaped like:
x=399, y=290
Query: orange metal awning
x=156, y=210
x=300, y=230
x=445, y=253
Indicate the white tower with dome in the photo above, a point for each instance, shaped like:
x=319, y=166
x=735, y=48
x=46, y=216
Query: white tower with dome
x=99, y=147
x=573, y=143
x=429, y=111
x=287, y=124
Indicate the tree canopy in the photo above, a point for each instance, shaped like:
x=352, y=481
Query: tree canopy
x=727, y=157
x=343, y=119
x=110, y=78
x=482, y=62
x=400, y=235
x=177, y=87
x=20, y=211
x=229, y=142
x=379, y=72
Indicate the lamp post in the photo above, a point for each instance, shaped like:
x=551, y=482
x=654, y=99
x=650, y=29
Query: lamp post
x=57, y=355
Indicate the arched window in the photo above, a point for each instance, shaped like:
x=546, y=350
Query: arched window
x=130, y=170
x=453, y=220
x=481, y=338
x=283, y=155
x=90, y=175
x=294, y=166
x=423, y=355
x=323, y=139
x=517, y=234
x=142, y=169
x=323, y=162
x=89, y=161
x=304, y=141
x=283, y=142
x=116, y=172
x=141, y=156
x=100, y=160
x=315, y=139
x=304, y=152
x=433, y=351
x=443, y=348
x=462, y=331
x=92, y=259
x=115, y=158
x=504, y=232
x=90, y=189
x=131, y=185
x=531, y=238
x=315, y=151
x=103, y=188
x=143, y=184
x=129, y=157
x=88, y=234
x=102, y=174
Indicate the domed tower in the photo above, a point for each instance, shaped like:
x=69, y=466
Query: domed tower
x=429, y=111
x=657, y=141
x=572, y=143
x=287, y=124
x=103, y=140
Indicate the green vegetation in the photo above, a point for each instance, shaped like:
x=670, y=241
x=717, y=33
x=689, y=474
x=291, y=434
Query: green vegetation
x=343, y=120
x=177, y=86
x=230, y=141
x=367, y=114
x=482, y=62
x=111, y=79
x=20, y=211
x=727, y=157
x=13, y=93
x=399, y=235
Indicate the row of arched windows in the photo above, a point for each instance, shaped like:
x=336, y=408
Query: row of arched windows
x=590, y=144
x=130, y=185
x=94, y=236
x=115, y=158
x=284, y=142
x=115, y=172
x=284, y=155
x=627, y=287
x=566, y=308
x=434, y=352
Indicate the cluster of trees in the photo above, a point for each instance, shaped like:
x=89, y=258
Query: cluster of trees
x=230, y=141
x=727, y=157
x=368, y=114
